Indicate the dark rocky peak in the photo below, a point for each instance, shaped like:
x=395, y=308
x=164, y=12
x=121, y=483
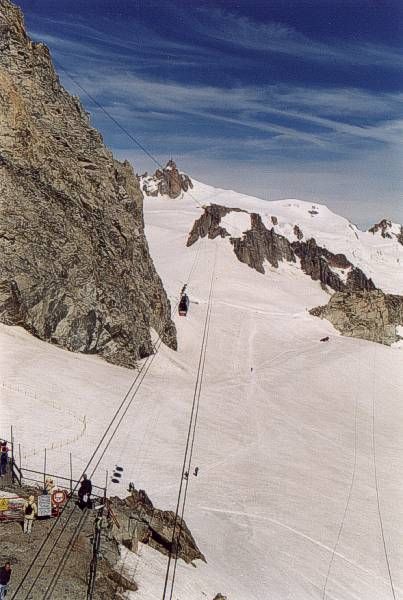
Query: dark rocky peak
x=387, y=229
x=168, y=181
x=383, y=227
x=74, y=262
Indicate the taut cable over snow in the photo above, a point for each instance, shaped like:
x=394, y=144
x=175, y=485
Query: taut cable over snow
x=124, y=130
x=190, y=438
x=378, y=502
x=139, y=378
x=348, y=498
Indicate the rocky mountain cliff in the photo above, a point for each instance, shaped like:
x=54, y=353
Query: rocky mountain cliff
x=356, y=307
x=258, y=244
x=75, y=268
x=168, y=181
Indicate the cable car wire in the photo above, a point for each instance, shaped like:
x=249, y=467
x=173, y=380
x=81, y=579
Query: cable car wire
x=192, y=425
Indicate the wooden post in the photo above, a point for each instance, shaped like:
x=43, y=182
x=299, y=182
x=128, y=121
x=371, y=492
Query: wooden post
x=71, y=474
x=11, y=461
x=106, y=484
x=19, y=456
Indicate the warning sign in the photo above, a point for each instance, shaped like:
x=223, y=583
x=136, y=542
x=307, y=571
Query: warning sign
x=44, y=506
x=3, y=504
x=11, y=508
x=59, y=497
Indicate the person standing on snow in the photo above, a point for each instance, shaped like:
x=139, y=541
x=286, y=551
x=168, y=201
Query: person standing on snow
x=84, y=492
x=5, y=574
x=30, y=510
x=3, y=459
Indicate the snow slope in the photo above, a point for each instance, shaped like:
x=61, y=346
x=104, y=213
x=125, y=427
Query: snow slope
x=299, y=443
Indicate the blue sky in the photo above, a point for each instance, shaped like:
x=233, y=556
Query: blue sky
x=280, y=98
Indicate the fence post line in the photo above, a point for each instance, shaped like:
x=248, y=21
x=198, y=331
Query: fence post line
x=71, y=474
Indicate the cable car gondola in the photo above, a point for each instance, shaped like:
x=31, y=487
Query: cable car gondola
x=184, y=305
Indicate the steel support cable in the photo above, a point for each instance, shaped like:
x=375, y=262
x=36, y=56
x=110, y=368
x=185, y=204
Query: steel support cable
x=107, y=113
x=125, y=131
x=152, y=357
x=173, y=312
x=195, y=261
x=190, y=428
x=189, y=464
x=143, y=372
x=116, y=415
x=348, y=499
x=378, y=501
x=62, y=563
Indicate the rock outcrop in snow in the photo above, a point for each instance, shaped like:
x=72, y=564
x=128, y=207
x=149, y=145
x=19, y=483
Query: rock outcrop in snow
x=367, y=315
x=387, y=229
x=209, y=223
x=75, y=265
x=168, y=181
x=332, y=270
x=258, y=244
x=154, y=527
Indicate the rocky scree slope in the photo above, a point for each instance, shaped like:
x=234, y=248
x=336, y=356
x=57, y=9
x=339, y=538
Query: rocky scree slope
x=75, y=268
x=356, y=308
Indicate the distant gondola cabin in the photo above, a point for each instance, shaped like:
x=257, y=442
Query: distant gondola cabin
x=184, y=305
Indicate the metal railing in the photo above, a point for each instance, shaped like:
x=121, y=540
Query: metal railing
x=21, y=474
x=39, y=477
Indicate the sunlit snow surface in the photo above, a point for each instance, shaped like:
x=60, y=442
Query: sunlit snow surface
x=283, y=417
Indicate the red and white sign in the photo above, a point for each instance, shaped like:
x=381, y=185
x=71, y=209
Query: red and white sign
x=59, y=497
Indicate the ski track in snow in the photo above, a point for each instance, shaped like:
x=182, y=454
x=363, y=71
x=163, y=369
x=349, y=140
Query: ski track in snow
x=299, y=533
x=270, y=508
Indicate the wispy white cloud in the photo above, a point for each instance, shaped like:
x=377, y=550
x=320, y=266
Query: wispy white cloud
x=267, y=38
x=256, y=107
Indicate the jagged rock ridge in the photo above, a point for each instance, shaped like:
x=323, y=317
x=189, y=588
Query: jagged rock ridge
x=356, y=309
x=258, y=244
x=75, y=268
x=168, y=181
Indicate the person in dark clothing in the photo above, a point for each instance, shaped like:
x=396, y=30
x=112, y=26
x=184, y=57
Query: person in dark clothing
x=5, y=574
x=84, y=492
x=3, y=459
